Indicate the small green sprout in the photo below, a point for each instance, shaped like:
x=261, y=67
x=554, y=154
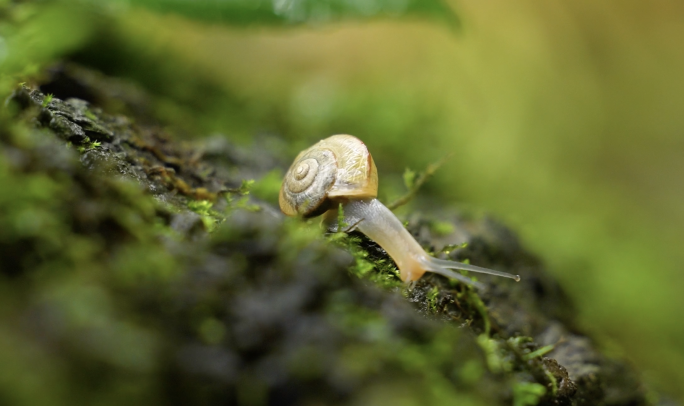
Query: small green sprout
x=47, y=99
x=341, y=224
x=539, y=353
x=201, y=207
x=210, y=217
x=88, y=145
x=243, y=202
x=245, y=187
x=414, y=182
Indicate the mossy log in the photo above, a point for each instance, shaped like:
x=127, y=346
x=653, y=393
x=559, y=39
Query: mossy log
x=135, y=272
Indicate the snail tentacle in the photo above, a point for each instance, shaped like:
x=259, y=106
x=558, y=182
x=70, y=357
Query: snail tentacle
x=445, y=263
x=431, y=267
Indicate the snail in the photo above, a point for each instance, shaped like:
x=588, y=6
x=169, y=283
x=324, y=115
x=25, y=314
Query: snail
x=340, y=170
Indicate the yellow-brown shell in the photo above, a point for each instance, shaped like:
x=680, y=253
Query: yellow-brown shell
x=336, y=168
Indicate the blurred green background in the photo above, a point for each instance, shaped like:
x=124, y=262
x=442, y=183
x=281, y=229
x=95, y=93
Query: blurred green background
x=566, y=119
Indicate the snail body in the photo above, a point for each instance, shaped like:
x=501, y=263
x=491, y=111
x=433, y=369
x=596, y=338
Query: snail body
x=340, y=169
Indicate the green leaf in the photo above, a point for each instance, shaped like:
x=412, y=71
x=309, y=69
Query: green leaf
x=289, y=12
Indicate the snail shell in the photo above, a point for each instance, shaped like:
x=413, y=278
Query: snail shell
x=334, y=169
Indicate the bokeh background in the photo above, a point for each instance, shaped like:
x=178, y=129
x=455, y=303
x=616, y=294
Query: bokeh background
x=565, y=120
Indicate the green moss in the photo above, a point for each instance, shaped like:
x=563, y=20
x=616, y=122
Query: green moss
x=495, y=354
x=210, y=218
x=48, y=98
x=527, y=393
x=86, y=145
x=431, y=299
x=90, y=115
x=474, y=299
x=381, y=271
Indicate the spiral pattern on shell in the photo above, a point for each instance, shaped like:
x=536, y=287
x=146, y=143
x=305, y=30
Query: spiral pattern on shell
x=308, y=181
